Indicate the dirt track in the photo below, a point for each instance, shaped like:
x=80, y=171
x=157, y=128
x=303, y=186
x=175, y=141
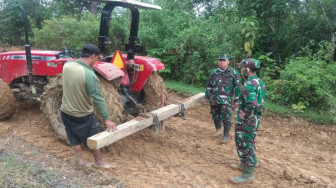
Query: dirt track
x=291, y=153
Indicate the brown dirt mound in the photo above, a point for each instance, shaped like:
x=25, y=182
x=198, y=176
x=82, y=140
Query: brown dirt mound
x=152, y=90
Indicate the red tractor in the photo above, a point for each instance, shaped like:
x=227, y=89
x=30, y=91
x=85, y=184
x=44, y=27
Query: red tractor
x=133, y=87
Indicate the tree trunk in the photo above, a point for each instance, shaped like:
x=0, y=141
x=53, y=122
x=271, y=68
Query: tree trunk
x=94, y=7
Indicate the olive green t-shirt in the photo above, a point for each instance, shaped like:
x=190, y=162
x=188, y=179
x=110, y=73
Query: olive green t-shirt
x=81, y=90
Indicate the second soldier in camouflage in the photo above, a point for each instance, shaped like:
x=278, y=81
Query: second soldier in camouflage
x=251, y=105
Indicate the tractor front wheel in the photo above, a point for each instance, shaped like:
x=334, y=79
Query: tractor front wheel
x=8, y=104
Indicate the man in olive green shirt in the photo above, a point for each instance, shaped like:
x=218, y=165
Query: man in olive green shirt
x=80, y=91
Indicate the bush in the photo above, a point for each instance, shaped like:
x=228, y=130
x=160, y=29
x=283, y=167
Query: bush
x=306, y=82
x=68, y=32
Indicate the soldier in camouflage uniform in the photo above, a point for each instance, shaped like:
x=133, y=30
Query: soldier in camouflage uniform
x=251, y=104
x=223, y=83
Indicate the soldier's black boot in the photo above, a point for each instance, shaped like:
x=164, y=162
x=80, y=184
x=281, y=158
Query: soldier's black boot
x=247, y=175
x=226, y=133
x=218, y=125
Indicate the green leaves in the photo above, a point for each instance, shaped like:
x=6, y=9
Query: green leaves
x=249, y=30
x=305, y=82
x=67, y=32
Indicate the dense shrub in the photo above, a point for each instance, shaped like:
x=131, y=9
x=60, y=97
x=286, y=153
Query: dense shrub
x=68, y=32
x=307, y=82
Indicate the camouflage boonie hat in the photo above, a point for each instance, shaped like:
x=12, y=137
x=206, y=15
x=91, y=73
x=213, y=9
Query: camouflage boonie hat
x=223, y=56
x=250, y=63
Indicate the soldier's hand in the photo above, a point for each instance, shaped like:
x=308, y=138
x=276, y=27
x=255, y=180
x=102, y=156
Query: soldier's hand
x=236, y=106
x=111, y=126
x=241, y=115
x=205, y=101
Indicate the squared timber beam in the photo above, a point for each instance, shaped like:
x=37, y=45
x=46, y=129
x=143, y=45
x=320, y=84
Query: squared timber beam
x=106, y=138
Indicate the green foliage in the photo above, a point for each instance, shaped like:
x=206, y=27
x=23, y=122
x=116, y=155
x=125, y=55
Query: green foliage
x=306, y=81
x=11, y=30
x=268, y=69
x=286, y=25
x=67, y=32
x=249, y=30
x=278, y=109
x=322, y=50
x=11, y=20
x=73, y=8
x=298, y=108
x=184, y=88
x=189, y=45
x=193, y=69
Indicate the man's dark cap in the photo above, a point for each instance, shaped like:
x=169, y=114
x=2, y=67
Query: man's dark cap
x=224, y=56
x=90, y=49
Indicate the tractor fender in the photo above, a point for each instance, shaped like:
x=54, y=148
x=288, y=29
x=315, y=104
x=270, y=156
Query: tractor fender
x=108, y=70
x=147, y=66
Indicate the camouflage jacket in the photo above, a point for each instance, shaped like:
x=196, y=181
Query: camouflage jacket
x=222, y=85
x=252, y=97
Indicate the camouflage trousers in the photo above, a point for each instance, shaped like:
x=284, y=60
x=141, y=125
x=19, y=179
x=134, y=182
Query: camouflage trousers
x=221, y=112
x=245, y=133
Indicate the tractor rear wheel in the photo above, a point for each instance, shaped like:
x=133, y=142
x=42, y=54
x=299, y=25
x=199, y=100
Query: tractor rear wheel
x=114, y=106
x=51, y=102
x=8, y=104
x=154, y=89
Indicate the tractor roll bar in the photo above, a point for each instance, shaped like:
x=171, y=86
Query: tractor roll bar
x=135, y=4
x=103, y=38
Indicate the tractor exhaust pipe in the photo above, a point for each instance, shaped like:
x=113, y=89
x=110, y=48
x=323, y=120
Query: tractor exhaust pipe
x=27, y=48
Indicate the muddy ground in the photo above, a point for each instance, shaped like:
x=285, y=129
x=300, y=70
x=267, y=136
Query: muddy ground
x=291, y=153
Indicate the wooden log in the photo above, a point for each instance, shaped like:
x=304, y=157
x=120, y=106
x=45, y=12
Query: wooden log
x=106, y=138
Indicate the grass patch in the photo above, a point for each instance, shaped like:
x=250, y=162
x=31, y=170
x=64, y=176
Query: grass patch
x=316, y=116
x=312, y=115
x=278, y=109
x=15, y=173
x=183, y=88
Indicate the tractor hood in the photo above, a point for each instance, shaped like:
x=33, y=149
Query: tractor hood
x=132, y=3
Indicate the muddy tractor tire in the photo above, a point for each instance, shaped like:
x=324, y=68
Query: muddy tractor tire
x=51, y=101
x=8, y=104
x=153, y=89
x=114, y=106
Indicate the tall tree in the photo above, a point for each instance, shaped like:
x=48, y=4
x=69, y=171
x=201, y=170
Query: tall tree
x=70, y=7
x=11, y=22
